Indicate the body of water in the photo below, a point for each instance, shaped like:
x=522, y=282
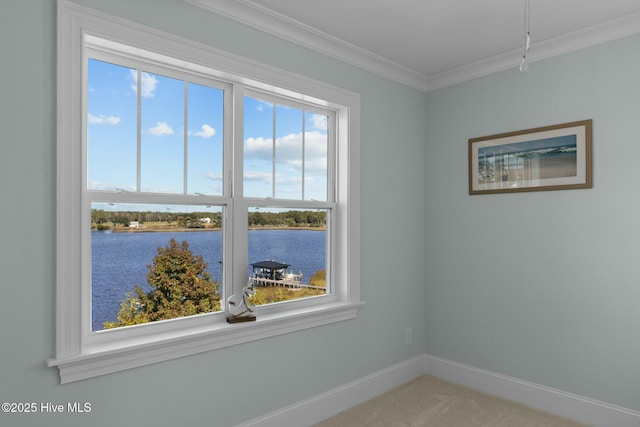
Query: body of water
x=119, y=260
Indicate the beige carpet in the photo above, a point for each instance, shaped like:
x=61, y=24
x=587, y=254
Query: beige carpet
x=428, y=401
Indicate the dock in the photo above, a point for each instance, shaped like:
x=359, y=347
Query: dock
x=290, y=284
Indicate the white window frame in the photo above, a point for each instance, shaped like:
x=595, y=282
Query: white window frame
x=81, y=355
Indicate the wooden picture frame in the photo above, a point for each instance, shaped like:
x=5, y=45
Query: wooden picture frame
x=556, y=157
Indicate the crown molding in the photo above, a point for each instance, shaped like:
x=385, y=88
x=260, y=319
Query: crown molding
x=261, y=18
x=586, y=37
x=249, y=13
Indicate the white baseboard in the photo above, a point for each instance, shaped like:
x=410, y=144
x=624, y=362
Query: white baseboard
x=564, y=404
x=320, y=407
x=579, y=408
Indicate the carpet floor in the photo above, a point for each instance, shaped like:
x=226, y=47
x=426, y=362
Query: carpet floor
x=432, y=402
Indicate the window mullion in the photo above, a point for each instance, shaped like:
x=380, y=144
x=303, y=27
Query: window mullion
x=273, y=153
x=139, y=131
x=304, y=134
x=237, y=215
x=185, y=137
x=333, y=160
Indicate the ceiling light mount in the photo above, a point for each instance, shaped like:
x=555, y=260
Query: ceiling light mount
x=526, y=43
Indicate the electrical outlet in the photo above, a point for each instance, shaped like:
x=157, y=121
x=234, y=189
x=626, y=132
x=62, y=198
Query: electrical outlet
x=407, y=336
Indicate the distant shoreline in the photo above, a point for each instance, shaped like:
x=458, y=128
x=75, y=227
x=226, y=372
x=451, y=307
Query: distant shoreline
x=189, y=230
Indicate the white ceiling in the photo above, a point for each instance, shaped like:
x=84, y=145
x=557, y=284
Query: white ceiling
x=432, y=43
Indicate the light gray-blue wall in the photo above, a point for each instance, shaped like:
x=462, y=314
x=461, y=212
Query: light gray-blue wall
x=541, y=286
x=232, y=385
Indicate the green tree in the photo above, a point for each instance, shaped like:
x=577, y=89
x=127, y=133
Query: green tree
x=180, y=287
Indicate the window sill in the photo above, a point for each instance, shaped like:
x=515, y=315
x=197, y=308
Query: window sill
x=218, y=335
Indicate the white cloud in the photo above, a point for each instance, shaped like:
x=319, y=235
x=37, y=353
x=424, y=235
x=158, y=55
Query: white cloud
x=258, y=176
x=99, y=185
x=103, y=120
x=319, y=122
x=161, y=129
x=205, y=131
x=316, y=146
x=285, y=180
x=318, y=164
x=289, y=150
x=261, y=106
x=260, y=148
x=148, y=84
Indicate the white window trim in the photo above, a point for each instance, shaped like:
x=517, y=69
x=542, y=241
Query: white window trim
x=181, y=337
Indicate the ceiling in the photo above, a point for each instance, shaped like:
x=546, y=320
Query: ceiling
x=432, y=43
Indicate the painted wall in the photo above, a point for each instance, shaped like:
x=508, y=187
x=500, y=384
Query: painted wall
x=232, y=385
x=542, y=286
x=539, y=286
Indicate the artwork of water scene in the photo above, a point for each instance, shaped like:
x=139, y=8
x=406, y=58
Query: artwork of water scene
x=527, y=161
x=120, y=259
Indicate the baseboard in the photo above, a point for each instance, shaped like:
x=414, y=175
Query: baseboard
x=323, y=406
x=568, y=405
x=564, y=404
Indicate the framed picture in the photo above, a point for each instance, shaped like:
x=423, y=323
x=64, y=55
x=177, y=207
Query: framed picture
x=554, y=157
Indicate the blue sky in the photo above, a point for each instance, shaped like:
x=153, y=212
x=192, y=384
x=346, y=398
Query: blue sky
x=112, y=134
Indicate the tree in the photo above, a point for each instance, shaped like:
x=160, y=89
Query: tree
x=180, y=287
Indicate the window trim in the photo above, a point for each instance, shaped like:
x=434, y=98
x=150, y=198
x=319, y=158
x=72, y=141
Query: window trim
x=181, y=337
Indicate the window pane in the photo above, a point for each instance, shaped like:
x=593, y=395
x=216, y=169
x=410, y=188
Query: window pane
x=295, y=166
x=316, y=143
x=111, y=127
x=288, y=153
x=258, y=148
x=162, y=133
x=153, y=262
x=288, y=253
x=206, y=114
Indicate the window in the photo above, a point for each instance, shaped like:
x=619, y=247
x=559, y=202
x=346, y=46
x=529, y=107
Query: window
x=183, y=171
x=152, y=136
